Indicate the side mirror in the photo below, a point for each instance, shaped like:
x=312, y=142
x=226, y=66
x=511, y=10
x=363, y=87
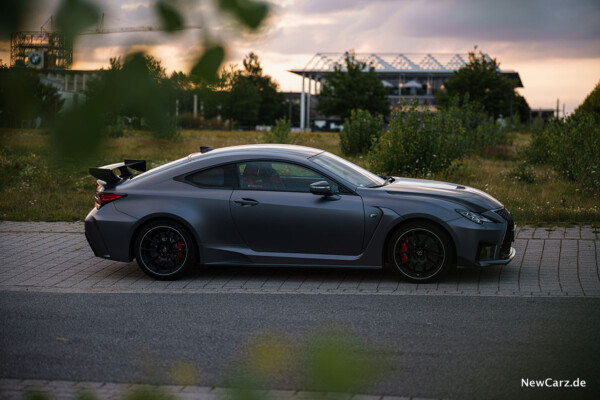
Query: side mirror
x=321, y=188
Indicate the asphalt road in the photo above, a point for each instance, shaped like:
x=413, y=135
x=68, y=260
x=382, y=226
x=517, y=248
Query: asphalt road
x=431, y=346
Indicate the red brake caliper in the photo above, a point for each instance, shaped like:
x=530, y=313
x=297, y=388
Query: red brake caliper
x=404, y=249
x=179, y=247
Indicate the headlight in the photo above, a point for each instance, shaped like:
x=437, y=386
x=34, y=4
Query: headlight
x=478, y=219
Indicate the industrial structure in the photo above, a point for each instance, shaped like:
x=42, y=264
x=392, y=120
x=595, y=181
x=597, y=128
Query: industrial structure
x=50, y=49
x=43, y=49
x=51, y=53
x=406, y=76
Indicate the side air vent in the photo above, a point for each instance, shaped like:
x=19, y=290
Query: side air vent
x=509, y=237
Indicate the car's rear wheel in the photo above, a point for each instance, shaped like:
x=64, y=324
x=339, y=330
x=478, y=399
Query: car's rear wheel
x=165, y=249
x=420, y=251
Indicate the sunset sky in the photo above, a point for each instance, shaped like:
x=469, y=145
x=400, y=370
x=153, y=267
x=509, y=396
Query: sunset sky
x=553, y=44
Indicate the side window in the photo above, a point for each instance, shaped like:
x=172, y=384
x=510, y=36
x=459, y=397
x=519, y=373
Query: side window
x=224, y=176
x=280, y=176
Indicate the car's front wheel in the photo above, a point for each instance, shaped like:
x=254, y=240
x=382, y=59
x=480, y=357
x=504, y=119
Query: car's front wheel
x=420, y=251
x=165, y=249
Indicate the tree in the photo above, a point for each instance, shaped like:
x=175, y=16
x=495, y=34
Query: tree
x=237, y=97
x=24, y=97
x=355, y=86
x=483, y=82
x=271, y=104
x=246, y=96
x=521, y=108
x=117, y=91
x=178, y=88
x=591, y=104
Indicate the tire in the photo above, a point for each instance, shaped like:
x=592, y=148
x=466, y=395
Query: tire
x=165, y=249
x=420, y=252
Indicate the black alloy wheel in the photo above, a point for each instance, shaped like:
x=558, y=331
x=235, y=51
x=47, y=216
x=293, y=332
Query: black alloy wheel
x=420, y=252
x=165, y=249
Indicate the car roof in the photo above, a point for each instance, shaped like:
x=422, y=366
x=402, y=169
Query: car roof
x=231, y=153
x=260, y=149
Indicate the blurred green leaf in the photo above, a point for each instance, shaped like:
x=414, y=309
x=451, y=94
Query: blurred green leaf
x=86, y=394
x=77, y=135
x=12, y=15
x=74, y=16
x=36, y=394
x=250, y=13
x=337, y=362
x=184, y=373
x=148, y=393
x=206, y=68
x=169, y=16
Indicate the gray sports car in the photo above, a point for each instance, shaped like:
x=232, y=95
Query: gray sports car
x=283, y=205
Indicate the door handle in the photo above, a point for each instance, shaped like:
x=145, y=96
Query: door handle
x=246, y=202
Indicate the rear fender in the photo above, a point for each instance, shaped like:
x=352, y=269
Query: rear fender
x=162, y=215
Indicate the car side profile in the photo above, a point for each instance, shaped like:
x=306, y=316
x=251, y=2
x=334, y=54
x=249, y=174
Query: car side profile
x=284, y=205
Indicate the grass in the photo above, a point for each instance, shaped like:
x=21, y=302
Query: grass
x=34, y=187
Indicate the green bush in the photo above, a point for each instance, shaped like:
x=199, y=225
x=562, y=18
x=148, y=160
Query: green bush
x=165, y=128
x=188, y=121
x=279, y=133
x=360, y=131
x=571, y=146
x=523, y=172
x=538, y=151
x=115, y=130
x=420, y=143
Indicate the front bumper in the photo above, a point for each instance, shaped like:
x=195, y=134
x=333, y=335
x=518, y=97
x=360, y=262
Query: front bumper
x=502, y=261
x=471, y=238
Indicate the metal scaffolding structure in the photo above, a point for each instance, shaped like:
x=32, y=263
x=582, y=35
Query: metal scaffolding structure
x=415, y=76
x=49, y=49
x=41, y=49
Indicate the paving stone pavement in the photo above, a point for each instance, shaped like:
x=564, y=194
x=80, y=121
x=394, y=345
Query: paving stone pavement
x=13, y=389
x=54, y=256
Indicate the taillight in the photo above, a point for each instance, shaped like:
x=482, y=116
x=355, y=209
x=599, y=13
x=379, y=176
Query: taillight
x=103, y=198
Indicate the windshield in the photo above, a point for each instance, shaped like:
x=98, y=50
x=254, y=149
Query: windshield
x=348, y=171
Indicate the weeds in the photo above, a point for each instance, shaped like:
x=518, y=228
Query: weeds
x=523, y=172
x=571, y=146
x=421, y=143
x=279, y=133
x=360, y=132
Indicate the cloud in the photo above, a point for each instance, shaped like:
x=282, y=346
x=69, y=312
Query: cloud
x=556, y=26
x=519, y=33
x=319, y=7
x=134, y=6
x=521, y=21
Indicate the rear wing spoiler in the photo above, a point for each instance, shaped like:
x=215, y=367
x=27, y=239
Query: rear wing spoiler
x=107, y=174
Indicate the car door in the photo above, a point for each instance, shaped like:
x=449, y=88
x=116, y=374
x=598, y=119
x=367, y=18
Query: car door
x=274, y=211
x=212, y=220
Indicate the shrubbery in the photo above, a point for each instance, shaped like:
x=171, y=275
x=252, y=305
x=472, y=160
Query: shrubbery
x=360, y=131
x=165, y=128
x=115, y=130
x=188, y=121
x=571, y=146
x=279, y=133
x=421, y=143
x=523, y=172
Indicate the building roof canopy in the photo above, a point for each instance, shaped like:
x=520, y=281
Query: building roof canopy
x=386, y=64
x=393, y=62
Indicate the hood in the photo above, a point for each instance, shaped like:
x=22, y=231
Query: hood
x=470, y=198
